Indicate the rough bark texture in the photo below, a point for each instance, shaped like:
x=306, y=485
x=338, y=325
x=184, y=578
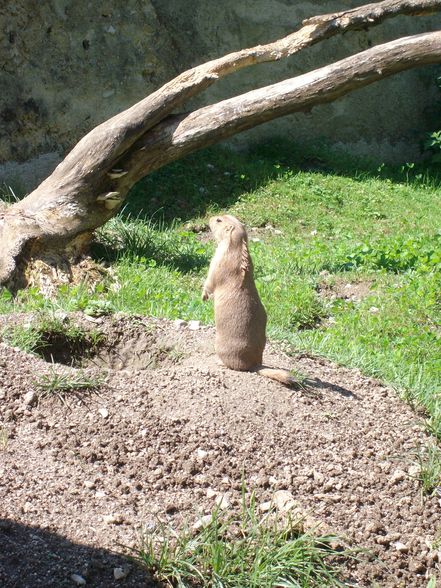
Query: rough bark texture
x=90, y=185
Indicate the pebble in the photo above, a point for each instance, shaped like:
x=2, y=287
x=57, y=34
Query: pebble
x=223, y=501
x=202, y=522
x=113, y=519
x=284, y=501
x=104, y=412
x=30, y=398
x=397, y=476
x=201, y=453
x=180, y=323
x=194, y=325
x=89, y=484
x=79, y=580
x=121, y=573
x=211, y=493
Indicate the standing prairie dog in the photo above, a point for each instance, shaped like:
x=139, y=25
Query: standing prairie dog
x=239, y=313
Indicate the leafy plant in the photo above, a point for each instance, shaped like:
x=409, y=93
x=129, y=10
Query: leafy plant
x=432, y=143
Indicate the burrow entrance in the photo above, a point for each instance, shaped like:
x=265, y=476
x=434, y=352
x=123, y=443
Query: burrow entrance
x=123, y=344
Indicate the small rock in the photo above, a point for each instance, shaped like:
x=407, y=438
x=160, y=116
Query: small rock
x=211, y=493
x=180, y=323
x=194, y=325
x=374, y=310
x=201, y=453
x=284, y=501
x=121, y=573
x=265, y=506
x=79, y=580
x=89, y=484
x=103, y=412
x=113, y=519
x=202, y=522
x=30, y=398
x=2, y=394
x=401, y=547
x=223, y=501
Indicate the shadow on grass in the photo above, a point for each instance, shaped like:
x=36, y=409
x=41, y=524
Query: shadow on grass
x=31, y=557
x=149, y=254
x=213, y=179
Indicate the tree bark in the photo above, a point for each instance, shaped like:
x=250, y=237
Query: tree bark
x=57, y=220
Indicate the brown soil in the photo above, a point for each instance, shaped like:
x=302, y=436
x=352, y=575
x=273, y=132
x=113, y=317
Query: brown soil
x=351, y=291
x=170, y=428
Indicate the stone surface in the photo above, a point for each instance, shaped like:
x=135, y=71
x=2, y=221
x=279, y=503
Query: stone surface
x=66, y=67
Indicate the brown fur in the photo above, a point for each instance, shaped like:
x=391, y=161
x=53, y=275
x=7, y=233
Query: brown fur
x=239, y=313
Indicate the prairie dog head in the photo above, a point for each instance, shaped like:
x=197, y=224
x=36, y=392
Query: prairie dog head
x=232, y=238
x=228, y=227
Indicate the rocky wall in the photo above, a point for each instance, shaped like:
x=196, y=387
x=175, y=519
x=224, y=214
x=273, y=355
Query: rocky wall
x=67, y=66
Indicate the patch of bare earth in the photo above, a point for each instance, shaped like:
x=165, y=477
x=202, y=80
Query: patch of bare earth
x=171, y=430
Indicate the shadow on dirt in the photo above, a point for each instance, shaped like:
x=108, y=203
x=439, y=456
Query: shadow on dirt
x=317, y=384
x=31, y=558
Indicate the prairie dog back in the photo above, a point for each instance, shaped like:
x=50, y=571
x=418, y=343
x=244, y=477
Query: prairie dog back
x=239, y=313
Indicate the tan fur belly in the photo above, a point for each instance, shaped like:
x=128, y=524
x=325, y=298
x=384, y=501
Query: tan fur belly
x=240, y=330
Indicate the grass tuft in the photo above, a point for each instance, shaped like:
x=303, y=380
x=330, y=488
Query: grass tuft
x=60, y=383
x=245, y=550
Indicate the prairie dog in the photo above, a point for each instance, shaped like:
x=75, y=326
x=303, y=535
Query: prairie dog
x=239, y=313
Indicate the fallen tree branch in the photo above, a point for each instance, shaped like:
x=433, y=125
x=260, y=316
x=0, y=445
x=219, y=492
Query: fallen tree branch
x=180, y=135
x=117, y=134
x=89, y=186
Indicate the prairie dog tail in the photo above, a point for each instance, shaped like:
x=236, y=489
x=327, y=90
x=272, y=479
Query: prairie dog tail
x=282, y=376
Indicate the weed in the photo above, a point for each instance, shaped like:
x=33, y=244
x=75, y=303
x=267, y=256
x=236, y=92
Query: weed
x=26, y=337
x=428, y=466
x=59, y=383
x=244, y=550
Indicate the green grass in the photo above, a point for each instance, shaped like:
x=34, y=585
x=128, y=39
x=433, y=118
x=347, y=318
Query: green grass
x=428, y=465
x=321, y=221
x=61, y=384
x=234, y=551
x=48, y=330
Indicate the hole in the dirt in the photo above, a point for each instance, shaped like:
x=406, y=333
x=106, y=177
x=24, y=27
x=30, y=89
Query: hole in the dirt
x=57, y=348
x=117, y=346
x=66, y=347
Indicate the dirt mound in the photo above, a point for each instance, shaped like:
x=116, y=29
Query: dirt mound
x=171, y=430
